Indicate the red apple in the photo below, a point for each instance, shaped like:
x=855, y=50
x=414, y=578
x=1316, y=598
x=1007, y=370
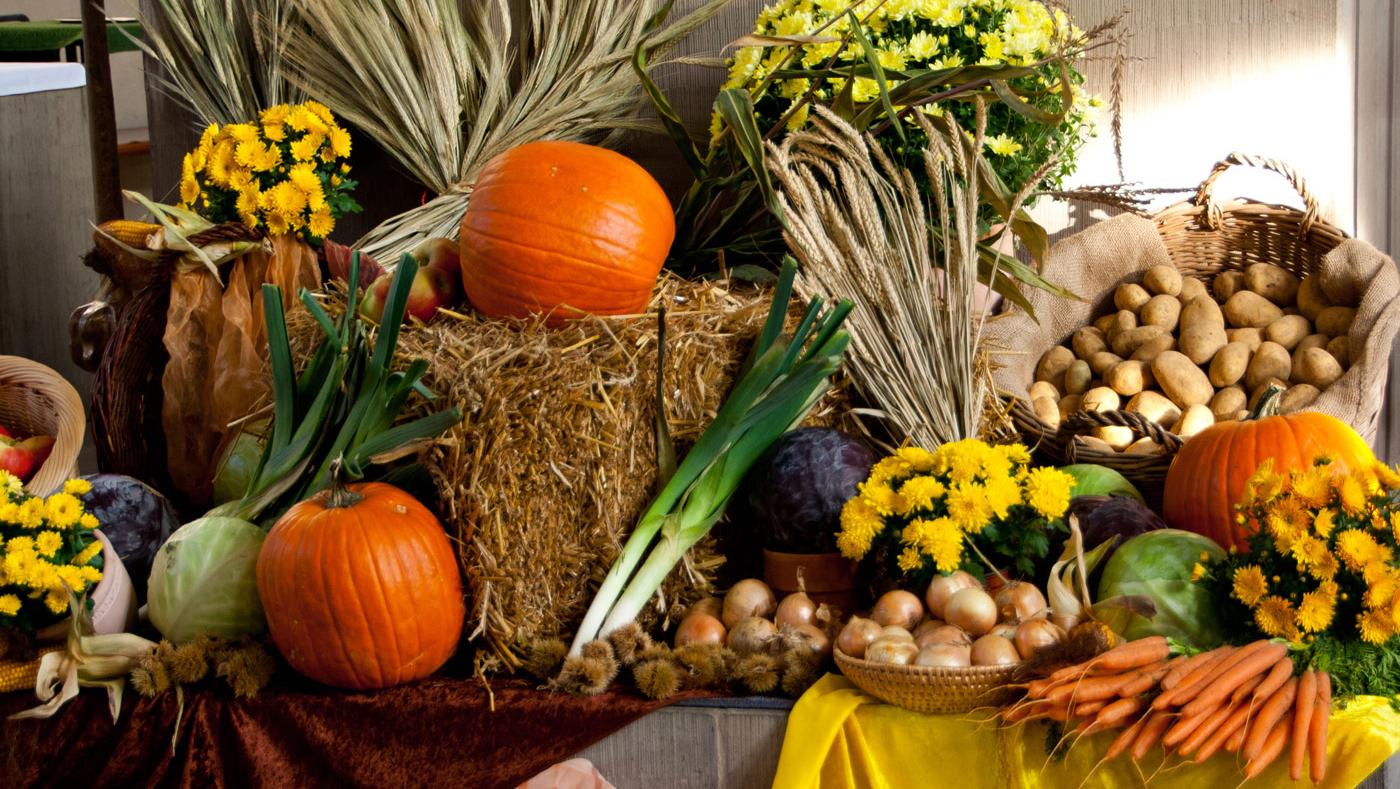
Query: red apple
x=432, y=288
x=372, y=302
x=40, y=447
x=15, y=459
x=440, y=253
x=5, y=433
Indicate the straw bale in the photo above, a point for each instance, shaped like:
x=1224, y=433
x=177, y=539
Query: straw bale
x=555, y=459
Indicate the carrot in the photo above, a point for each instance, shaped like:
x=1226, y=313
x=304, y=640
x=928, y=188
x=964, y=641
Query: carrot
x=1317, y=728
x=1086, y=710
x=1278, y=675
x=1133, y=654
x=1157, y=723
x=1020, y=711
x=1236, y=740
x=1269, y=715
x=1213, y=722
x=1183, y=668
x=1037, y=688
x=1115, y=714
x=1304, y=702
x=1126, y=738
x=1233, y=724
x=1144, y=679
x=1251, y=661
x=1184, y=727
x=1202, y=673
x=1271, y=747
x=1090, y=688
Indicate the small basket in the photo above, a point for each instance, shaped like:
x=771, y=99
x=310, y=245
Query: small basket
x=1203, y=238
x=37, y=401
x=932, y=689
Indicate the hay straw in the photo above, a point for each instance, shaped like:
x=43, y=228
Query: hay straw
x=556, y=458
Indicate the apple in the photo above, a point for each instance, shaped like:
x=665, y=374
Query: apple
x=15, y=459
x=40, y=447
x=5, y=433
x=372, y=302
x=431, y=288
x=440, y=253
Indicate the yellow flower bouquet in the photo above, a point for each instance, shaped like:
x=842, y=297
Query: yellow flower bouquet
x=966, y=505
x=48, y=549
x=286, y=172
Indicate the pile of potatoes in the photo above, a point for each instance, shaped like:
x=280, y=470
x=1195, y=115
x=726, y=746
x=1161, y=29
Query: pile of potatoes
x=1187, y=357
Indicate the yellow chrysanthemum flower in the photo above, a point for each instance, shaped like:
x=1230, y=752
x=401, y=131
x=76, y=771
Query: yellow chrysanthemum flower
x=57, y=601
x=942, y=541
x=47, y=543
x=31, y=513
x=1315, y=611
x=321, y=223
x=306, y=148
x=9, y=604
x=1352, y=493
x=87, y=554
x=860, y=522
x=88, y=521
x=63, y=510
x=1250, y=585
x=919, y=494
x=77, y=487
x=1326, y=568
x=890, y=468
x=909, y=559
x=1376, y=627
x=1324, y=522
x=1387, y=476
x=1357, y=549
x=918, y=458
x=1275, y=617
x=1048, y=491
x=881, y=496
x=968, y=507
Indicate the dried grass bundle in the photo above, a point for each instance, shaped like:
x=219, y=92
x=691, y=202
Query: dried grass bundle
x=444, y=86
x=556, y=457
x=863, y=231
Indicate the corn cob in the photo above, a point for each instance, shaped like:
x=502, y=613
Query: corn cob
x=21, y=674
x=129, y=232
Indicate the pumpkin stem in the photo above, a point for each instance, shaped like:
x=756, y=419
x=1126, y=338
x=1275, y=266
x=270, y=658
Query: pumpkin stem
x=340, y=496
x=1268, y=402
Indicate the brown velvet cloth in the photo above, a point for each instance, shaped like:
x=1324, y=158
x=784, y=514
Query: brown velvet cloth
x=438, y=732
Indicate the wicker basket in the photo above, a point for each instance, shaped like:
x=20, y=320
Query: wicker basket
x=36, y=401
x=1203, y=238
x=930, y=689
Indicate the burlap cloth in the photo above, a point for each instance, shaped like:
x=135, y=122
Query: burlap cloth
x=1096, y=261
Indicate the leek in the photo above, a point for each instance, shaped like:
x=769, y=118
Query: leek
x=779, y=383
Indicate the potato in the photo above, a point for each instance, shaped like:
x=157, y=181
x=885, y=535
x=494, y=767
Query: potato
x=1123, y=320
x=1093, y=442
x=1047, y=411
x=1311, y=341
x=1115, y=436
x=1162, y=280
x=1161, y=310
x=1125, y=342
x=1069, y=404
x=1250, y=337
x=1130, y=297
x=1155, y=406
x=1192, y=288
x=1105, y=323
x=1101, y=361
x=1238, y=416
x=1100, y=398
x=1202, y=330
x=1053, y=365
x=1318, y=367
x=1258, y=394
x=1288, y=331
x=1311, y=300
x=1229, y=364
x=1143, y=446
x=1270, y=361
x=1227, y=401
x=1248, y=310
x=1336, y=321
x=1044, y=389
x=1077, y=377
x=1088, y=341
x=1227, y=284
x=1181, y=380
x=1193, y=420
x=1297, y=397
x=1128, y=378
x=1340, y=347
x=1272, y=282
x=1149, y=350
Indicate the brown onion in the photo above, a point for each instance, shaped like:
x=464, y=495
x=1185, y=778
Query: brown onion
x=699, y=629
x=1005, y=630
x=891, y=650
x=751, y=634
x=1019, y=601
x=796, y=609
x=944, y=656
x=990, y=650
x=1036, y=634
x=749, y=597
x=811, y=639
x=927, y=625
x=971, y=609
x=707, y=605
x=895, y=631
x=899, y=608
x=947, y=635
x=857, y=635
x=943, y=587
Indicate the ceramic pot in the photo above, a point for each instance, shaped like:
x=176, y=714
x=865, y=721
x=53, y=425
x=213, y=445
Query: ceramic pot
x=828, y=578
x=113, y=599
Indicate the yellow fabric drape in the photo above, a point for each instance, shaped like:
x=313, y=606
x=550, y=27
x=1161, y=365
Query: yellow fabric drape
x=837, y=736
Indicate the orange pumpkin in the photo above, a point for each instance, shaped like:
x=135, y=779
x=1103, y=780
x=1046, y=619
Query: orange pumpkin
x=360, y=587
x=1209, y=473
x=564, y=228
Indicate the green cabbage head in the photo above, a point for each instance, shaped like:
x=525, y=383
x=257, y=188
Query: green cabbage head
x=1157, y=565
x=204, y=580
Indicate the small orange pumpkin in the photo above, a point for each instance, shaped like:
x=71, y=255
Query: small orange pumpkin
x=564, y=228
x=360, y=587
x=1208, y=475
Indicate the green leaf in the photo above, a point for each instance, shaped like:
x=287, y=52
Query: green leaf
x=670, y=119
x=394, y=308
x=665, y=447
x=423, y=427
x=279, y=347
x=735, y=106
x=1024, y=109
x=858, y=32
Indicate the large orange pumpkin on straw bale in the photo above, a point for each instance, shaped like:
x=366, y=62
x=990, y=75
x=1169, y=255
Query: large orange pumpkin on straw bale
x=360, y=587
x=1208, y=475
x=564, y=228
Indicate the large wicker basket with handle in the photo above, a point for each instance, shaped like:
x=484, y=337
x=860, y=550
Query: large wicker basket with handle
x=37, y=401
x=1204, y=236
x=932, y=689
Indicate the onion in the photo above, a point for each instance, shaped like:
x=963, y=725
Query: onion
x=943, y=587
x=947, y=635
x=699, y=629
x=944, y=656
x=971, y=609
x=1005, y=630
x=857, y=635
x=751, y=634
x=898, y=608
x=707, y=605
x=1036, y=634
x=892, y=650
x=990, y=650
x=895, y=631
x=927, y=625
x=749, y=597
x=796, y=609
x=809, y=639
x=1019, y=601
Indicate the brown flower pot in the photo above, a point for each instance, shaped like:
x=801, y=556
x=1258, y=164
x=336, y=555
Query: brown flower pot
x=828, y=578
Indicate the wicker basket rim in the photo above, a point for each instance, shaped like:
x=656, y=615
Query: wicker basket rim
x=929, y=673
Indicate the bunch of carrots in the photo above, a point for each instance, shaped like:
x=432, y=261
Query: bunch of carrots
x=1243, y=699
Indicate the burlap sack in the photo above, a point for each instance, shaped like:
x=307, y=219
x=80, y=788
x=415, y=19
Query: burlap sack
x=1094, y=262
